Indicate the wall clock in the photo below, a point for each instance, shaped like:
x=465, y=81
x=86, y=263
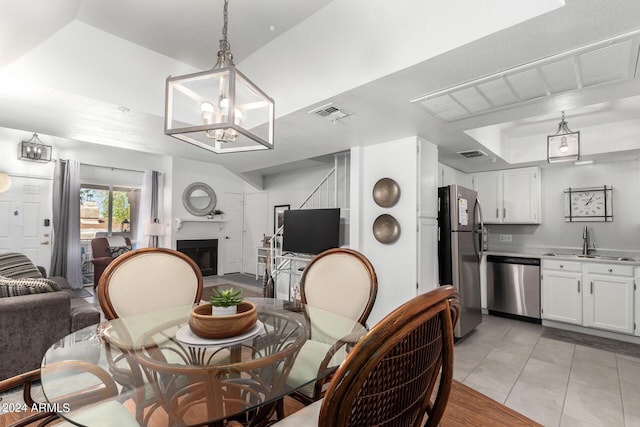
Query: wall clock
x=589, y=204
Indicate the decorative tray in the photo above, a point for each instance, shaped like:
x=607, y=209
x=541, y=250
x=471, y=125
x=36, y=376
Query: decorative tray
x=185, y=335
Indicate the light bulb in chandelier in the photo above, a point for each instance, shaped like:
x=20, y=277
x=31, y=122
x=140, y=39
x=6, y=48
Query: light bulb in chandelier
x=207, y=109
x=564, y=147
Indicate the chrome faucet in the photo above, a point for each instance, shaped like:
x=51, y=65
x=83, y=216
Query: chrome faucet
x=585, y=241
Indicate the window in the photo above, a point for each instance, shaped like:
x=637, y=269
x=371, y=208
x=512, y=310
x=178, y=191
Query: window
x=108, y=211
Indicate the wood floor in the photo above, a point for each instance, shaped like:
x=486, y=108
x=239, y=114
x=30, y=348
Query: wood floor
x=466, y=407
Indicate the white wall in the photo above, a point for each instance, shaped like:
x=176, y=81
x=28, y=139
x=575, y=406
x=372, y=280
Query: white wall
x=395, y=264
x=554, y=233
x=291, y=188
x=221, y=180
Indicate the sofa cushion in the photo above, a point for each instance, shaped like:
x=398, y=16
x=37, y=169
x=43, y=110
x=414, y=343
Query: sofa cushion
x=116, y=251
x=10, y=287
x=18, y=266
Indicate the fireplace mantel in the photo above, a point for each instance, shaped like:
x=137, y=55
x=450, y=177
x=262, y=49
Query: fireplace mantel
x=181, y=221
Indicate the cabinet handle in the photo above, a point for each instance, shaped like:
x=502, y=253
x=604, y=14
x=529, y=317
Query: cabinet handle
x=562, y=266
x=504, y=213
x=611, y=270
x=497, y=213
x=591, y=287
x=578, y=286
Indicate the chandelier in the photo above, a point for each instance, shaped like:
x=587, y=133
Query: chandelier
x=564, y=145
x=219, y=110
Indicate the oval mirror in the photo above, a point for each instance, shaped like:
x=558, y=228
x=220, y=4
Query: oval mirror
x=199, y=199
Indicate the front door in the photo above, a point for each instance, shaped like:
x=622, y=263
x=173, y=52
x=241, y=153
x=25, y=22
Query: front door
x=233, y=233
x=25, y=211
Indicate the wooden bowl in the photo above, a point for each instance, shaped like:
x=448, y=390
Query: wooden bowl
x=204, y=325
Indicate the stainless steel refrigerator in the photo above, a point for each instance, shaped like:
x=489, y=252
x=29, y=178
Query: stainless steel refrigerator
x=460, y=251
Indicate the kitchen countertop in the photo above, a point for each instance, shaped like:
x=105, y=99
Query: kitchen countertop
x=608, y=258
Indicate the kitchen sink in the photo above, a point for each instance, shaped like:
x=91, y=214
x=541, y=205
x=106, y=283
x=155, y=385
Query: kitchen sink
x=603, y=257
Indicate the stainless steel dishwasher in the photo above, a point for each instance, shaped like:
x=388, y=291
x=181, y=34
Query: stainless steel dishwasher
x=513, y=287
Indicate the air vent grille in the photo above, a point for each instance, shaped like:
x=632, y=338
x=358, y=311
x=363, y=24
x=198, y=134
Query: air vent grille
x=330, y=112
x=472, y=153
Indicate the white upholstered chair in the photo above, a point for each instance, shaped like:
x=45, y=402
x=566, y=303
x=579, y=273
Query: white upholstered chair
x=149, y=279
x=341, y=281
x=142, y=281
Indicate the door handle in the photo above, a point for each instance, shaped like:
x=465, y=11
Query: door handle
x=46, y=242
x=227, y=237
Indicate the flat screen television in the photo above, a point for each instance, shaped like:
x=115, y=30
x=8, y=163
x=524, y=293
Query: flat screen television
x=311, y=231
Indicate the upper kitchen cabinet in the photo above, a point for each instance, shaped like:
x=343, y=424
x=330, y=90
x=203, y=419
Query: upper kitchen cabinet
x=427, y=179
x=448, y=176
x=510, y=196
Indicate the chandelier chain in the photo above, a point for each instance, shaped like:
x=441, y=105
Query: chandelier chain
x=225, y=46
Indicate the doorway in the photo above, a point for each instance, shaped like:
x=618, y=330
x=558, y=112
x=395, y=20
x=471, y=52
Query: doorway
x=233, y=233
x=255, y=227
x=25, y=219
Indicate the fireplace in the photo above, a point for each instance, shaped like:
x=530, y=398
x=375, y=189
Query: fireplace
x=204, y=252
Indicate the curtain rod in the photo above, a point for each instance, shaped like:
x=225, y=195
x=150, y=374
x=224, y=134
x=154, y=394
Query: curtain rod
x=110, y=167
x=16, y=175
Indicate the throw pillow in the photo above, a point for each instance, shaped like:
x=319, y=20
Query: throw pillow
x=116, y=251
x=13, y=287
x=18, y=266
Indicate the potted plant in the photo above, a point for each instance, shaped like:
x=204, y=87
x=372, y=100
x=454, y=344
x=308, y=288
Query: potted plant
x=225, y=302
x=215, y=213
x=207, y=320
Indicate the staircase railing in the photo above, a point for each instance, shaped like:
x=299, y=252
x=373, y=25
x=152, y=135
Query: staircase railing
x=326, y=194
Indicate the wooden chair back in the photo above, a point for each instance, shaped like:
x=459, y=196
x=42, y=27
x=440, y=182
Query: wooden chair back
x=389, y=376
x=149, y=279
x=345, y=273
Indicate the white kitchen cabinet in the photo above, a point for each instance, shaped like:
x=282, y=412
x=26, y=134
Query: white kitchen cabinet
x=489, y=188
x=608, y=297
x=427, y=179
x=511, y=196
x=427, y=254
x=636, y=323
x=562, y=291
x=448, y=176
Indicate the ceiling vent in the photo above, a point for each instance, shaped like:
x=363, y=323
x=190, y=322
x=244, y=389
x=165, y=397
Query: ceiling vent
x=472, y=153
x=329, y=112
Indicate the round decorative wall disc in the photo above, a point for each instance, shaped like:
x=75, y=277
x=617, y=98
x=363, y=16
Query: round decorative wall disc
x=386, y=192
x=386, y=229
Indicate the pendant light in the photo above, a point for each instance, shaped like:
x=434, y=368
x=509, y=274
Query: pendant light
x=219, y=110
x=564, y=145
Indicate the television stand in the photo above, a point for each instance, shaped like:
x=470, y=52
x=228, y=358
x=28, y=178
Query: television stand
x=288, y=271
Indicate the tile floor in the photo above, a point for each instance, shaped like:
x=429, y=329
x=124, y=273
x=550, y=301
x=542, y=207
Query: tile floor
x=555, y=383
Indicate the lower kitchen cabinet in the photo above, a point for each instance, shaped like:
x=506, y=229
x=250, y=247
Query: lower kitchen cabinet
x=562, y=296
x=608, y=297
x=594, y=295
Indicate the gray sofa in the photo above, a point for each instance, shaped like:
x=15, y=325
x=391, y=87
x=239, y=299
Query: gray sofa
x=30, y=324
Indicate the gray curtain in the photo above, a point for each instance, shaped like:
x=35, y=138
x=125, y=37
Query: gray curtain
x=153, y=240
x=65, y=260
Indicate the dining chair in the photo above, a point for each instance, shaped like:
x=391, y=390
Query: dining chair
x=138, y=282
x=341, y=281
x=390, y=375
x=100, y=396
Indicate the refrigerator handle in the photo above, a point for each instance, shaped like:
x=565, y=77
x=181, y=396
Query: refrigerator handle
x=477, y=208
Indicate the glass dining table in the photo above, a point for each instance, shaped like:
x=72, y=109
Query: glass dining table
x=154, y=367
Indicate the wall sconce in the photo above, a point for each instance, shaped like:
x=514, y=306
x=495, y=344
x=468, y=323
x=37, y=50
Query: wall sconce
x=564, y=145
x=5, y=182
x=125, y=226
x=34, y=150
